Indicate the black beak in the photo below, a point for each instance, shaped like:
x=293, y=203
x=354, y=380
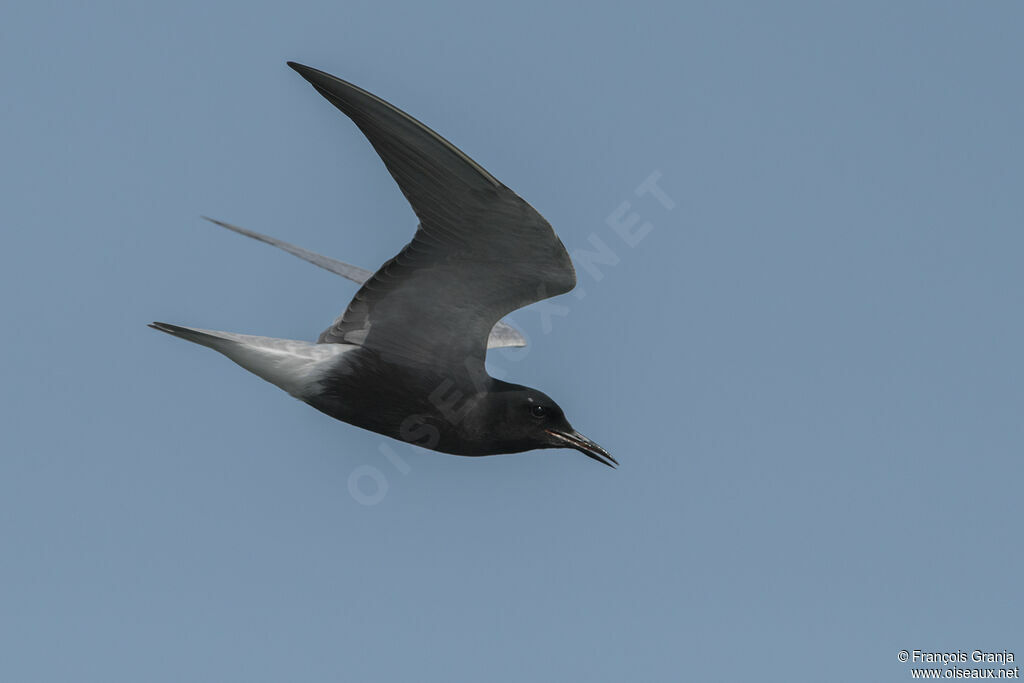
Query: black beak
x=573, y=439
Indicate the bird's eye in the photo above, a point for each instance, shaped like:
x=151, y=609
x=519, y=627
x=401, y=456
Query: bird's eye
x=538, y=411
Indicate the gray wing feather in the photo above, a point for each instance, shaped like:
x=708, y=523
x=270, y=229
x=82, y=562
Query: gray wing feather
x=501, y=336
x=480, y=251
x=353, y=273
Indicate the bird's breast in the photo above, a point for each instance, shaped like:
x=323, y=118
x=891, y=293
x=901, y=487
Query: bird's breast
x=414, y=404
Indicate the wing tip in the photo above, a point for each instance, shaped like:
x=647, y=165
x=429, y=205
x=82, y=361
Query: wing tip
x=307, y=72
x=229, y=226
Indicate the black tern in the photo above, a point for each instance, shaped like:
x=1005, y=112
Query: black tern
x=406, y=358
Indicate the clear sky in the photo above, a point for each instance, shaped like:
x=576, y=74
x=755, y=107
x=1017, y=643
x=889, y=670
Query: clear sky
x=809, y=364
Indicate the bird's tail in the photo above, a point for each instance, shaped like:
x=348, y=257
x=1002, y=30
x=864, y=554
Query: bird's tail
x=214, y=340
x=295, y=366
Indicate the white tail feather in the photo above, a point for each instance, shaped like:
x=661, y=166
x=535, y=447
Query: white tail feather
x=295, y=366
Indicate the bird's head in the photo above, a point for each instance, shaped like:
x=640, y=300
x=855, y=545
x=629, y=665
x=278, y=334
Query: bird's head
x=523, y=419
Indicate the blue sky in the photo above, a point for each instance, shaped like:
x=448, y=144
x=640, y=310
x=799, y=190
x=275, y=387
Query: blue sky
x=809, y=366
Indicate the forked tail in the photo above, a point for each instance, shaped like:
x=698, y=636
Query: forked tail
x=295, y=366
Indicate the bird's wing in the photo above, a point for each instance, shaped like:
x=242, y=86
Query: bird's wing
x=480, y=251
x=353, y=273
x=502, y=334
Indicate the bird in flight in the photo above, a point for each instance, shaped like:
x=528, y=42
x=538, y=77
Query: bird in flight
x=406, y=358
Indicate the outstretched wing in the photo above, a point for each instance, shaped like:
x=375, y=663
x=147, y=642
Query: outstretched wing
x=350, y=272
x=502, y=335
x=480, y=251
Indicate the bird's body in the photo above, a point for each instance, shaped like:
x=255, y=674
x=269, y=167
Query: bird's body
x=406, y=358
